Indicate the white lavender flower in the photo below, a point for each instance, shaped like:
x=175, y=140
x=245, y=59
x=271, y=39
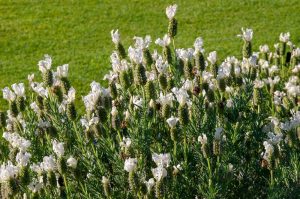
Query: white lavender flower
x=62, y=71
x=264, y=48
x=48, y=164
x=172, y=121
x=165, y=41
x=198, y=45
x=171, y=11
x=19, y=89
x=8, y=94
x=126, y=142
x=159, y=173
x=8, y=171
x=22, y=158
x=58, y=148
x=45, y=64
x=130, y=164
x=247, y=34
x=141, y=43
x=115, y=36
x=212, y=57
x=162, y=159
x=149, y=184
x=35, y=186
x=202, y=139
x=218, y=133
x=284, y=37
x=72, y=162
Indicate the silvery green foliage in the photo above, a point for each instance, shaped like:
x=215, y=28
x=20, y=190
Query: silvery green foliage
x=172, y=123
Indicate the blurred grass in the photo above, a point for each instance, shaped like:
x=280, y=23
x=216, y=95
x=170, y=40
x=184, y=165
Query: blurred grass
x=78, y=32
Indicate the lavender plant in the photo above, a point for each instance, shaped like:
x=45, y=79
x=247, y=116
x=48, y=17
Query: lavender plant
x=173, y=123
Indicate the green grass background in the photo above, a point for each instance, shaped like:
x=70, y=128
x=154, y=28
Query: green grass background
x=78, y=32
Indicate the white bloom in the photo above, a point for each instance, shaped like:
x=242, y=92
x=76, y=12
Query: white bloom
x=17, y=141
x=149, y=184
x=296, y=52
x=163, y=42
x=114, y=111
x=171, y=11
x=161, y=65
x=284, y=37
x=8, y=94
x=258, y=83
x=40, y=90
x=49, y=163
x=35, y=186
x=159, y=173
x=296, y=69
x=212, y=57
x=58, y=148
x=172, y=121
x=35, y=107
x=71, y=95
x=37, y=168
x=162, y=159
x=130, y=164
x=278, y=97
x=177, y=168
x=269, y=149
x=274, y=139
x=22, y=158
x=115, y=36
x=45, y=65
x=135, y=54
x=72, y=162
x=181, y=95
x=19, y=89
x=229, y=103
x=105, y=180
x=202, y=139
x=198, y=44
x=141, y=43
x=8, y=171
x=125, y=143
x=218, y=133
x=246, y=34
x=264, y=48
x=62, y=71
x=166, y=99
x=137, y=101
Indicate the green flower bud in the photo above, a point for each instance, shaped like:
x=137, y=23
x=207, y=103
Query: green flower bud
x=166, y=111
x=66, y=85
x=163, y=82
x=51, y=179
x=71, y=111
x=188, y=70
x=217, y=147
x=172, y=29
x=239, y=80
x=20, y=101
x=102, y=114
x=158, y=191
x=171, y=83
x=140, y=75
x=150, y=90
x=222, y=84
x=174, y=134
x=2, y=119
x=12, y=188
x=121, y=50
x=13, y=108
x=52, y=131
x=107, y=102
x=48, y=78
x=167, y=54
x=200, y=61
x=132, y=182
x=214, y=69
x=210, y=95
x=62, y=165
x=253, y=74
x=147, y=57
x=25, y=176
x=183, y=114
x=282, y=48
x=247, y=49
x=180, y=66
x=125, y=80
x=57, y=91
x=113, y=90
x=205, y=86
x=40, y=102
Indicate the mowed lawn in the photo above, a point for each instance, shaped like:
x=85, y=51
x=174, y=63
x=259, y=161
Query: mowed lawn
x=78, y=32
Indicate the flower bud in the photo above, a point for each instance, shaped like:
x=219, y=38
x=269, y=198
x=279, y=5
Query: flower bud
x=113, y=90
x=210, y=95
x=13, y=108
x=48, y=78
x=171, y=83
x=51, y=178
x=166, y=111
x=65, y=84
x=62, y=165
x=147, y=57
x=125, y=80
x=200, y=61
x=57, y=91
x=102, y=113
x=2, y=119
x=25, y=176
x=121, y=50
x=188, y=70
x=105, y=182
x=150, y=90
x=132, y=182
x=172, y=29
x=140, y=75
x=167, y=54
x=71, y=111
x=158, y=191
x=20, y=101
x=222, y=84
x=217, y=147
x=183, y=114
x=180, y=66
x=163, y=82
x=247, y=49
